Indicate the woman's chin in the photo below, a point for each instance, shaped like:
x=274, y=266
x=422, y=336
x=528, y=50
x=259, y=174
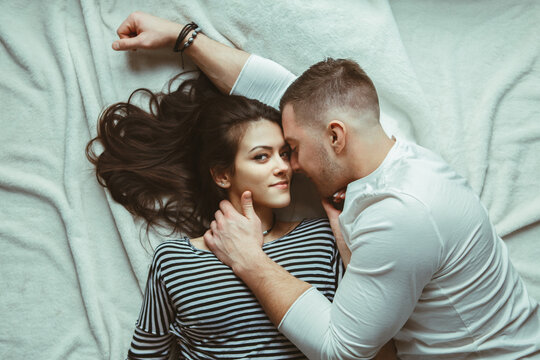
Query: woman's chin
x=281, y=206
x=279, y=203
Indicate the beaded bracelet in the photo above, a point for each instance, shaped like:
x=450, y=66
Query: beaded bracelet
x=183, y=33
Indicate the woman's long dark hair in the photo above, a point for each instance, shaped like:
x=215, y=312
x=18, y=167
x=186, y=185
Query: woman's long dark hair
x=157, y=164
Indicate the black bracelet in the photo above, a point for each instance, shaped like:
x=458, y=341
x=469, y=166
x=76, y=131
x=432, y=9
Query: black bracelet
x=183, y=33
x=190, y=40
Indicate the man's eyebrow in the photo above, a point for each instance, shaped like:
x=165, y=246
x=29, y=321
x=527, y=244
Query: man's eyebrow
x=289, y=139
x=265, y=147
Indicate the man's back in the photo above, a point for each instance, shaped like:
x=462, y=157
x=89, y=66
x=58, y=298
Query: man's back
x=462, y=298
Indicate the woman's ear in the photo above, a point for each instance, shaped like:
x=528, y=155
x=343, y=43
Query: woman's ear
x=337, y=131
x=221, y=178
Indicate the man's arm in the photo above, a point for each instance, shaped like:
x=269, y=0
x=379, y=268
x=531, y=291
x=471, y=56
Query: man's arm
x=333, y=217
x=394, y=254
x=236, y=239
x=222, y=64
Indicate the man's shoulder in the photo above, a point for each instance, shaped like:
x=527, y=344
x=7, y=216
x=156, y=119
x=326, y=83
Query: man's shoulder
x=393, y=204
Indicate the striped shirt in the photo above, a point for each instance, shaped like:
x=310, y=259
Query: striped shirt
x=196, y=301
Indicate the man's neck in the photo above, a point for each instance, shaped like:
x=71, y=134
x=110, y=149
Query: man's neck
x=369, y=155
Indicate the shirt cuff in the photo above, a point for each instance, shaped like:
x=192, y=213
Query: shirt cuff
x=262, y=79
x=307, y=322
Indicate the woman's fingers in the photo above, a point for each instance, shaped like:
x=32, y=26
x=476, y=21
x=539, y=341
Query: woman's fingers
x=144, y=31
x=338, y=196
x=126, y=44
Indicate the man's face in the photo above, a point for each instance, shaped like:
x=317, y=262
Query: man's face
x=309, y=153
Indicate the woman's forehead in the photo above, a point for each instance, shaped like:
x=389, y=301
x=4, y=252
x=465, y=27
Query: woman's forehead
x=262, y=133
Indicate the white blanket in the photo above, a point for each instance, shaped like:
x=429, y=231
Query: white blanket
x=461, y=78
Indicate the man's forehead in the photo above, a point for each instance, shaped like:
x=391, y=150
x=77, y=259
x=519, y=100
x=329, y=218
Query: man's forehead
x=290, y=128
x=290, y=140
x=290, y=132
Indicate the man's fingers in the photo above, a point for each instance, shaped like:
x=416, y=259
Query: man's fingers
x=247, y=205
x=208, y=238
x=219, y=216
x=227, y=208
x=213, y=227
x=331, y=208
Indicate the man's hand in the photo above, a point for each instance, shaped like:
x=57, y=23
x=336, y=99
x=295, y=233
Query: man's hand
x=145, y=31
x=236, y=239
x=333, y=207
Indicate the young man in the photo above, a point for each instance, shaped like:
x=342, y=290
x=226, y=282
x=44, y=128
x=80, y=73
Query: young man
x=426, y=265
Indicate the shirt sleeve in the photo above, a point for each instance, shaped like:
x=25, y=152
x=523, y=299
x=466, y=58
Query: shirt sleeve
x=152, y=338
x=395, y=250
x=264, y=80
x=337, y=264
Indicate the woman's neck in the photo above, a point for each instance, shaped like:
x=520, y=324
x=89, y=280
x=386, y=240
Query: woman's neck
x=267, y=219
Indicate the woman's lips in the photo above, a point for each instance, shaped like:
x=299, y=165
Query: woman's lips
x=281, y=185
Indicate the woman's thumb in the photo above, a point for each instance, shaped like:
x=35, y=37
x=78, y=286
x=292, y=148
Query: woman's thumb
x=126, y=44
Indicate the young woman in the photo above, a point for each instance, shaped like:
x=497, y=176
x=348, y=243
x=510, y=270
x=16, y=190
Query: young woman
x=172, y=166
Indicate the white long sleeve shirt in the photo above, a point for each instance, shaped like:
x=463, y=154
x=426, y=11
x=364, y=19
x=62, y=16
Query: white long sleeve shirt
x=427, y=267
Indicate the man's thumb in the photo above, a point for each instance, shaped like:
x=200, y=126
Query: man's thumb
x=247, y=205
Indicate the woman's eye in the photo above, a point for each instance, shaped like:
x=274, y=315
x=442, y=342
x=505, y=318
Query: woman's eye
x=261, y=157
x=286, y=154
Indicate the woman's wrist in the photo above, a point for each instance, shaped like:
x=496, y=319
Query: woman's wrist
x=173, y=33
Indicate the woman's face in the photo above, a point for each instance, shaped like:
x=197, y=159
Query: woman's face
x=262, y=166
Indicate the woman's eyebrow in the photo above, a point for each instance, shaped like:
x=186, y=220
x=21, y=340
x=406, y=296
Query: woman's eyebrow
x=265, y=147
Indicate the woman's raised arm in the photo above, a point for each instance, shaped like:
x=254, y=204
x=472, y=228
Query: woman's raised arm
x=222, y=64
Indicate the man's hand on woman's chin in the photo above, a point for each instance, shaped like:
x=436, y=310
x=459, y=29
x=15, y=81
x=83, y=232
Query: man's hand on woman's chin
x=236, y=239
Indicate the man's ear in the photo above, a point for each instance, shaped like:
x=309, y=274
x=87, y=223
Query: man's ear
x=337, y=131
x=221, y=178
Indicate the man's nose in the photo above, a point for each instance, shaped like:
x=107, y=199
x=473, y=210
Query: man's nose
x=294, y=164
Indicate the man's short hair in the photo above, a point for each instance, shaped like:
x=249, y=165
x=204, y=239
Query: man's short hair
x=331, y=84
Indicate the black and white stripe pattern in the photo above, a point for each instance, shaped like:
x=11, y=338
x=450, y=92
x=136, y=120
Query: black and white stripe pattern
x=193, y=298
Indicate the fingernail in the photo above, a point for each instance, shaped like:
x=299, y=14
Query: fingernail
x=116, y=46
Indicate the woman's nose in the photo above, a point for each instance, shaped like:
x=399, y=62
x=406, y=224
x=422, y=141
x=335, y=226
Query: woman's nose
x=281, y=165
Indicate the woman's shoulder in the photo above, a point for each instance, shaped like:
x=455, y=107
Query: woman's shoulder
x=198, y=243
x=172, y=247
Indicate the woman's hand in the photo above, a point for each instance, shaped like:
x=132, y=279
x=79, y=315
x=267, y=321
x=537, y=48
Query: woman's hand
x=333, y=207
x=145, y=31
